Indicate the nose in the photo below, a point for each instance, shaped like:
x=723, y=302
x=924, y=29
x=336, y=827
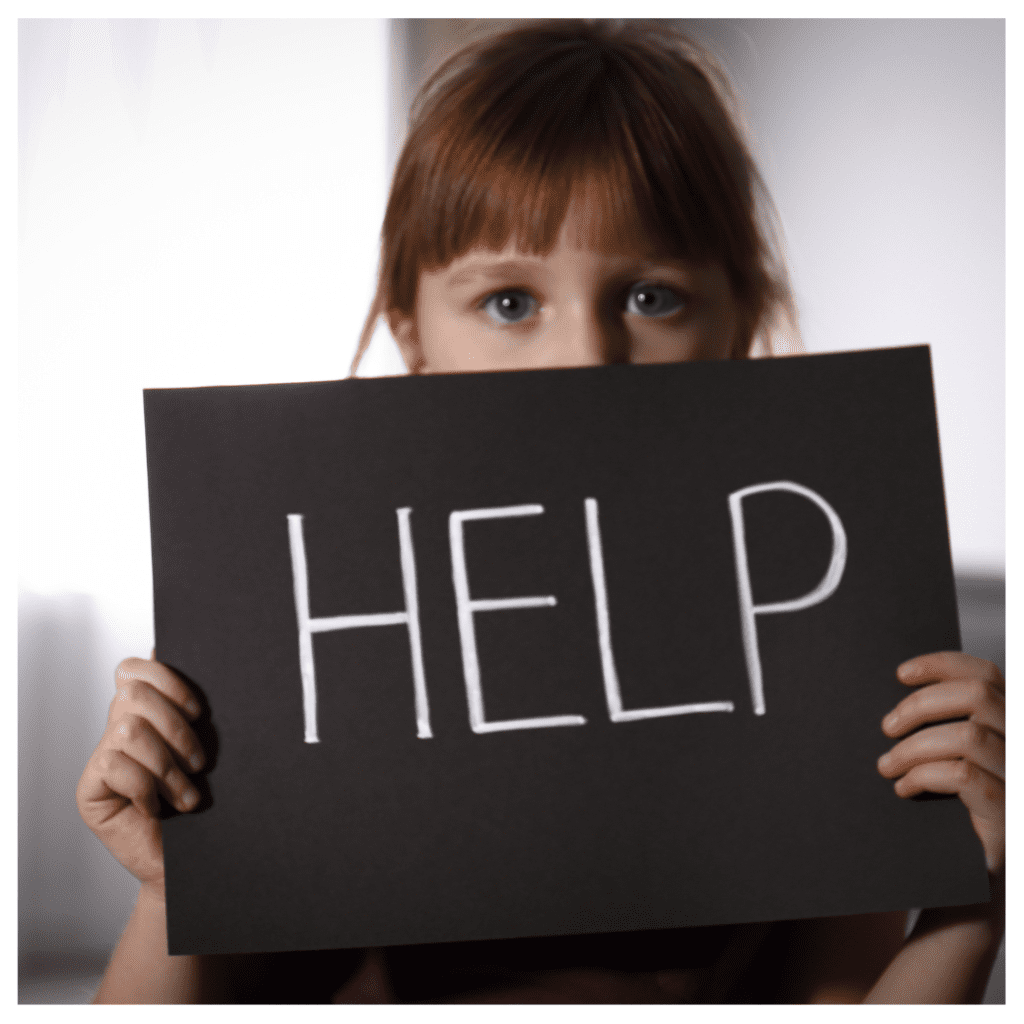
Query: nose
x=590, y=336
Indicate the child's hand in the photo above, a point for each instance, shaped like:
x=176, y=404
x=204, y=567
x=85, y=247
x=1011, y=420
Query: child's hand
x=968, y=757
x=147, y=749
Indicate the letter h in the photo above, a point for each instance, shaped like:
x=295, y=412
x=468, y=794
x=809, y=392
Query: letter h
x=308, y=626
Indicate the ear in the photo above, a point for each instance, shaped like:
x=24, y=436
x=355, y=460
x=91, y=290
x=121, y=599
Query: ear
x=403, y=329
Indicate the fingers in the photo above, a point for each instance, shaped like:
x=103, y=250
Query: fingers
x=977, y=788
x=966, y=757
x=982, y=794
x=134, y=737
x=147, y=748
x=118, y=800
x=930, y=668
x=137, y=699
x=968, y=740
x=147, y=724
x=111, y=780
x=976, y=699
x=161, y=678
x=146, y=752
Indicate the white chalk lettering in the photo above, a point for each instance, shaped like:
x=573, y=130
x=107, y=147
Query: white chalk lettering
x=612, y=691
x=467, y=606
x=308, y=626
x=749, y=610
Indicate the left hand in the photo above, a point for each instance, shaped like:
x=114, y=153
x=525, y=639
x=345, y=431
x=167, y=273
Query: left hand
x=966, y=757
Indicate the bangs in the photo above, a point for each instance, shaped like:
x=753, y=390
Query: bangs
x=501, y=202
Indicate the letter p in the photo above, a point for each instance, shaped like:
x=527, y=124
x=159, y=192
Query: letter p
x=748, y=610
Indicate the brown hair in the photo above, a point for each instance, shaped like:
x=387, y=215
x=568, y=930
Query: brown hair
x=508, y=130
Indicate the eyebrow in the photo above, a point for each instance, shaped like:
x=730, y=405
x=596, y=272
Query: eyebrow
x=490, y=269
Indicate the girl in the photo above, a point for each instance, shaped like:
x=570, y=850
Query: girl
x=576, y=194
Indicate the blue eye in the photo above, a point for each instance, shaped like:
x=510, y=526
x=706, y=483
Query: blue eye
x=653, y=300
x=509, y=307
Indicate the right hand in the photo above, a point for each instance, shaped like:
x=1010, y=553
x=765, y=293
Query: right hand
x=148, y=748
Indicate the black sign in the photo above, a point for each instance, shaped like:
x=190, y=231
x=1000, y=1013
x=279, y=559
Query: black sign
x=553, y=652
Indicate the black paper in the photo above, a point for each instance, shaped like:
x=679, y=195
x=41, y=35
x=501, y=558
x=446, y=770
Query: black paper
x=376, y=836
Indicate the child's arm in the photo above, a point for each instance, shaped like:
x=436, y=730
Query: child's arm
x=148, y=748
x=140, y=971
x=948, y=957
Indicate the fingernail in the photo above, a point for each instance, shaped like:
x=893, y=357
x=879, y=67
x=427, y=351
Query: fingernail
x=189, y=797
x=907, y=670
x=196, y=761
x=890, y=720
x=883, y=761
x=192, y=707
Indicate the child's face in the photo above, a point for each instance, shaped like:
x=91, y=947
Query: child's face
x=511, y=310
